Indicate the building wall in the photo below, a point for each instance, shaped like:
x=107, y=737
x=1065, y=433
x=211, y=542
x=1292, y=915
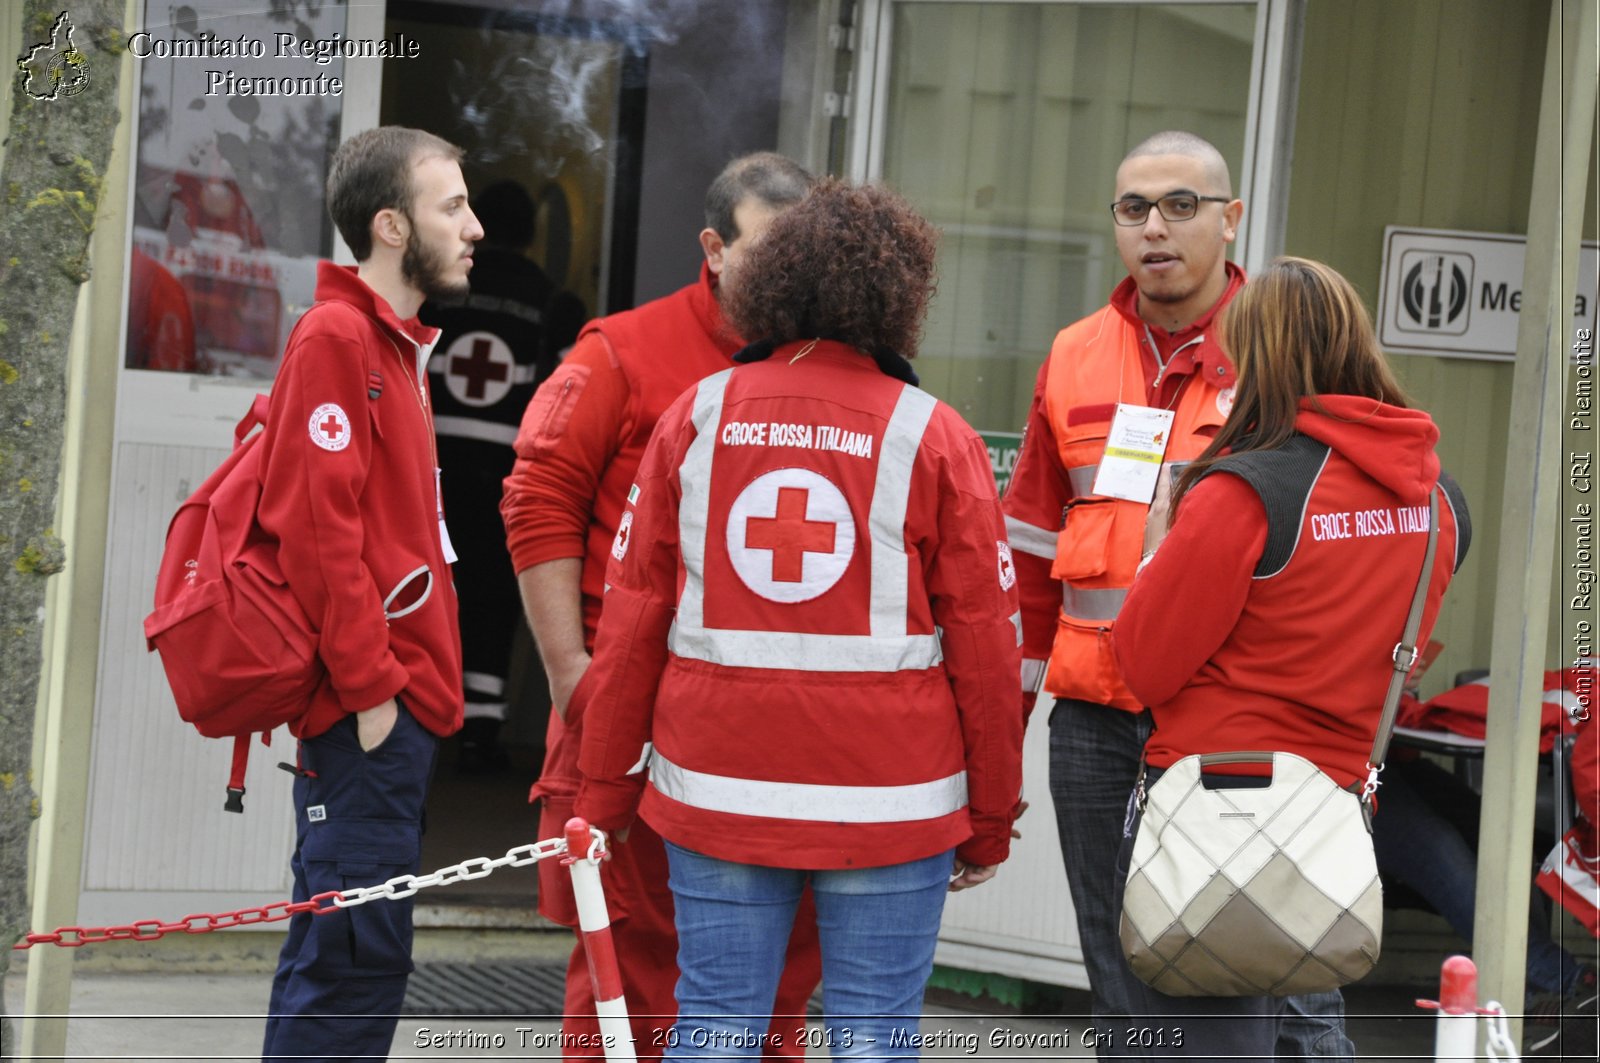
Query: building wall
x=715, y=88
x=1424, y=113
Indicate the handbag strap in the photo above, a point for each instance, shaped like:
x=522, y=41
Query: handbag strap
x=1404, y=655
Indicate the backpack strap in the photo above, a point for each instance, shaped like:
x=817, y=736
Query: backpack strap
x=241, y=757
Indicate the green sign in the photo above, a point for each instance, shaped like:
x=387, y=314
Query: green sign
x=1003, y=450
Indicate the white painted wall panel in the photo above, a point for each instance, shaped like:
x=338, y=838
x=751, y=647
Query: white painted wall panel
x=1021, y=922
x=157, y=787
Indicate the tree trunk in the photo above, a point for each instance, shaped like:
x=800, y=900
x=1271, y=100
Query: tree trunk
x=51, y=184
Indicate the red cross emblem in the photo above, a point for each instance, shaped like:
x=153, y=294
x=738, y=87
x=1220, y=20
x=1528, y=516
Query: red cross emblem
x=477, y=368
x=1008, y=568
x=619, y=545
x=330, y=427
x=789, y=535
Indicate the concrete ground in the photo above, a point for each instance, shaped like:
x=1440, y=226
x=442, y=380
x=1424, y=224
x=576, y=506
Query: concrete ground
x=203, y=998
x=180, y=1001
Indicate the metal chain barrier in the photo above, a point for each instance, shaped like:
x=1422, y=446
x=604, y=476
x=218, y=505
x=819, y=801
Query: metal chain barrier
x=72, y=937
x=1498, y=1039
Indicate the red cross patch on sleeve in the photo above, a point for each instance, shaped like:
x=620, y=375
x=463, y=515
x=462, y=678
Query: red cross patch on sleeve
x=330, y=427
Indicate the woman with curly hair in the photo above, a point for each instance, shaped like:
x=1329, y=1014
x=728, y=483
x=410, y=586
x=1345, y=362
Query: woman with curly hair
x=808, y=647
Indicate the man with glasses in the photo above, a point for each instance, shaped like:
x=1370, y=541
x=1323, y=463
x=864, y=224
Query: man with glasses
x=1142, y=383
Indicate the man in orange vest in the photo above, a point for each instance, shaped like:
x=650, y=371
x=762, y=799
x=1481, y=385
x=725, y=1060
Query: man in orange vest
x=1142, y=375
x=578, y=450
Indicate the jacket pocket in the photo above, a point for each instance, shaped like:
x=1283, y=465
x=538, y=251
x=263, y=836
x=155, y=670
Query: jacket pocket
x=1083, y=548
x=1083, y=666
x=552, y=405
x=347, y=854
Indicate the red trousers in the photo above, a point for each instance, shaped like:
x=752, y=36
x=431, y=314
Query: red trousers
x=646, y=940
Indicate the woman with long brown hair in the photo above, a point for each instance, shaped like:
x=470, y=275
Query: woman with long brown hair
x=1266, y=618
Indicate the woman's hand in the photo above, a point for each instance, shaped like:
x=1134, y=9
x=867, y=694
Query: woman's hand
x=970, y=875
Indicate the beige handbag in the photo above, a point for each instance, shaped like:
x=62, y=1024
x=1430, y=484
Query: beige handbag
x=1261, y=890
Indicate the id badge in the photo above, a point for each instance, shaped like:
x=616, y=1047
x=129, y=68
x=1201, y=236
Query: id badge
x=1131, y=466
x=444, y=532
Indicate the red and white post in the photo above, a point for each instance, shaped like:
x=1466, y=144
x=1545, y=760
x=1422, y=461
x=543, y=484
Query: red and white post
x=595, y=924
x=1456, y=1037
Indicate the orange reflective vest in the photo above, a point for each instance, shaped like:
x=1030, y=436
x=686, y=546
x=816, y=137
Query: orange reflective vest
x=1093, y=365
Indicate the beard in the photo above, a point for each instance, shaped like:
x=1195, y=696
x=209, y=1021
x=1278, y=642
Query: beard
x=427, y=269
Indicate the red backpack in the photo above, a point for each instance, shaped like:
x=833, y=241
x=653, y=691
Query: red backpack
x=239, y=652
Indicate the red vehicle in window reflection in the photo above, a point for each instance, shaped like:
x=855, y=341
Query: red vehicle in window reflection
x=200, y=229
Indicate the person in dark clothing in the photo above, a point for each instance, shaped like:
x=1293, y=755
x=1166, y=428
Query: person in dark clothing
x=499, y=342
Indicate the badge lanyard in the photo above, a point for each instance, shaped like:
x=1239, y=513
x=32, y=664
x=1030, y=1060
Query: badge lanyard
x=433, y=449
x=1130, y=468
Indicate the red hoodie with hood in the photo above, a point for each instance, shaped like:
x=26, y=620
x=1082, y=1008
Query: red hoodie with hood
x=1231, y=658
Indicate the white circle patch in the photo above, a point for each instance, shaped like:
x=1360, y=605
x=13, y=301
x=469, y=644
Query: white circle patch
x=1008, y=569
x=330, y=427
x=790, y=535
x=1225, y=401
x=479, y=368
x=619, y=545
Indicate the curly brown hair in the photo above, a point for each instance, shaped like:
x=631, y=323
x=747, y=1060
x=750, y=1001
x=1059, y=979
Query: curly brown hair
x=852, y=263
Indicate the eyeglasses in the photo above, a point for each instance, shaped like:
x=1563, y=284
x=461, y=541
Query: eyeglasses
x=1180, y=206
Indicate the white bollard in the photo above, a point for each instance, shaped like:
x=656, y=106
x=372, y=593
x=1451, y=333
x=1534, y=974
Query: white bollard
x=595, y=923
x=1456, y=1037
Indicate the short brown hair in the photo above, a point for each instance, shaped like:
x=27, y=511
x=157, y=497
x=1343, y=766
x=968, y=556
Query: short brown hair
x=853, y=263
x=765, y=176
x=371, y=172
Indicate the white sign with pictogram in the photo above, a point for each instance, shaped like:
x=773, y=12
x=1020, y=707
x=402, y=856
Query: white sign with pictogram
x=790, y=535
x=478, y=368
x=1459, y=294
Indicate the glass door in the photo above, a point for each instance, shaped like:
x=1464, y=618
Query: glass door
x=1004, y=123
x=239, y=108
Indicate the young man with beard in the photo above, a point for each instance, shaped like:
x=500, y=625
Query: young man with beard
x=1077, y=542
x=579, y=447
x=350, y=494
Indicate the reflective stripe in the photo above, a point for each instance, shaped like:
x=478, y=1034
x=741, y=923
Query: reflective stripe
x=521, y=373
x=406, y=581
x=809, y=801
x=888, y=648
x=646, y=751
x=1092, y=603
x=902, y=438
x=1033, y=675
x=483, y=683
x=1031, y=539
x=694, y=511
x=804, y=652
x=1082, y=480
x=472, y=428
x=1016, y=622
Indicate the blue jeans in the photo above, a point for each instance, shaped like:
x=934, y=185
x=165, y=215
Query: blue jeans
x=1094, y=760
x=878, y=928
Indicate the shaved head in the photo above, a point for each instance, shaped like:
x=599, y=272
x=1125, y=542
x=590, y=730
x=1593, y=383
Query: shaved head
x=1177, y=142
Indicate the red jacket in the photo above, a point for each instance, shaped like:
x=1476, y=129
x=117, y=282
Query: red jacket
x=349, y=490
x=580, y=444
x=584, y=432
x=1230, y=658
x=813, y=620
